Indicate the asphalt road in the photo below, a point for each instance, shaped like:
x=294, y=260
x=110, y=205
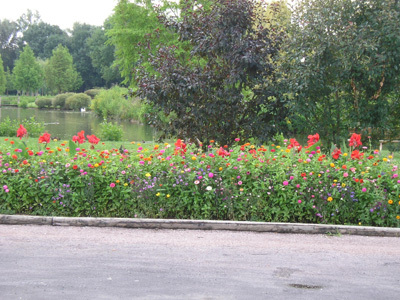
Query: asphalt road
x=50, y=262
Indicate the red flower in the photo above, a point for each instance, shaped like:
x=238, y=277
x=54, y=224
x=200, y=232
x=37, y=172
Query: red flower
x=21, y=132
x=45, y=138
x=294, y=144
x=355, y=140
x=222, y=152
x=357, y=154
x=180, y=146
x=74, y=167
x=94, y=140
x=312, y=139
x=336, y=153
x=80, y=138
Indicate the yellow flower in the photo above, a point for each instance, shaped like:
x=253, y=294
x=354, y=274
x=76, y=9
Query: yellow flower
x=132, y=143
x=43, y=161
x=194, y=158
x=345, y=154
x=168, y=195
x=139, y=144
x=125, y=184
x=398, y=217
x=390, y=157
x=158, y=194
x=359, y=223
x=343, y=185
x=278, y=147
x=335, y=181
x=287, y=150
x=329, y=199
x=319, y=175
x=384, y=159
x=67, y=150
x=332, y=165
x=220, y=168
x=96, y=165
x=104, y=167
x=117, y=181
x=390, y=201
x=182, y=171
x=55, y=140
x=147, y=175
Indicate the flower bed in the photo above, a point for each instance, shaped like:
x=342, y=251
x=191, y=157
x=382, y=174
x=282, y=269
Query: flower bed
x=286, y=183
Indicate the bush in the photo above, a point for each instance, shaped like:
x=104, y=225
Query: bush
x=59, y=100
x=44, y=102
x=23, y=103
x=113, y=104
x=110, y=131
x=9, y=128
x=92, y=92
x=77, y=101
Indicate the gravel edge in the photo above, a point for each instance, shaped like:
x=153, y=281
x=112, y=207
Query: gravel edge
x=201, y=225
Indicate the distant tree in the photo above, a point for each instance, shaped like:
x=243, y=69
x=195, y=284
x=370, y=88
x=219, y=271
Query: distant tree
x=9, y=81
x=3, y=80
x=102, y=56
x=130, y=24
x=28, y=19
x=80, y=52
x=342, y=62
x=43, y=38
x=27, y=73
x=9, y=42
x=61, y=74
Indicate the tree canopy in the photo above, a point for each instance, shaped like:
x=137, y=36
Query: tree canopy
x=27, y=73
x=61, y=74
x=221, y=86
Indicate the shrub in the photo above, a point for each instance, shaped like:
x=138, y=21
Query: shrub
x=24, y=103
x=44, y=102
x=59, y=100
x=112, y=104
x=110, y=131
x=9, y=128
x=92, y=92
x=77, y=101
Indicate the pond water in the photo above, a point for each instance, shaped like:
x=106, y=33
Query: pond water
x=65, y=124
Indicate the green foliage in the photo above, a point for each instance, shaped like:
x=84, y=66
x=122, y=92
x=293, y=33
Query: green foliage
x=80, y=52
x=77, y=101
x=43, y=38
x=129, y=25
x=9, y=42
x=59, y=100
x=115, y=104
x=28, y=75
x=3, y=79
x=102, y=55
x=341, y=63
x=9, y=128
x=61, y=74
x=110, y=131
x=44, y=102
x=92, y=92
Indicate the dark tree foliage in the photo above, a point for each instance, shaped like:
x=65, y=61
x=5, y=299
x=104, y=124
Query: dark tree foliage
x=221, y=87
x=43, y=38
x=80, y=52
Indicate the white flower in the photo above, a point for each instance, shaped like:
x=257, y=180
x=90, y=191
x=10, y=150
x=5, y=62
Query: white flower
x=209, y=188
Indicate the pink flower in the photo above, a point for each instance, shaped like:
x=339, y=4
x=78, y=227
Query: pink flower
x=237, y=140
x=345, y=174
x=240, y=183
x=211, y=175
x=285, y=183
x=298, y=185
x=112, y=184
x=299, y=201
x=364, y=189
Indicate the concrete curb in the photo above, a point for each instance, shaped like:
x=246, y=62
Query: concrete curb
x=201, y=225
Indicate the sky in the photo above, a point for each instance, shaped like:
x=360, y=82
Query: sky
x=63, y=13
